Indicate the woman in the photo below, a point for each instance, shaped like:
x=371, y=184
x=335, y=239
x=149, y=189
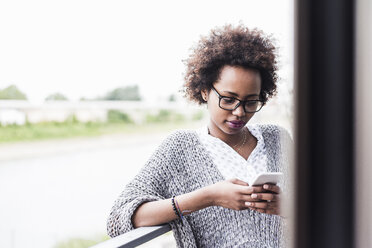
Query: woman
x=191, y=181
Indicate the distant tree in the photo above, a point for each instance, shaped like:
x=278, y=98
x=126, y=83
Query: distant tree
x=83, y=98
x=56, y=97
x=129, y=93
x=118, y=116
x=12, y=92
x=172, y=98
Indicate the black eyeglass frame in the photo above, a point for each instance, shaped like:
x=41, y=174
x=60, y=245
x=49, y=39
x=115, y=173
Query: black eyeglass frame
x=239, y=102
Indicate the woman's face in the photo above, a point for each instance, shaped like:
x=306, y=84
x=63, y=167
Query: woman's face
x=238, y=82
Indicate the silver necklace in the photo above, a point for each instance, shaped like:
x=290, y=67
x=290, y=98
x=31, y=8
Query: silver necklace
x=242, y=145
x=234, y=146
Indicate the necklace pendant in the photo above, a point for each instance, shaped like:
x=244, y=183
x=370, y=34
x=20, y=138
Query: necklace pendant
x=244, y=140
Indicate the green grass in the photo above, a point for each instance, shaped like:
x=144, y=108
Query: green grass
x=54, y=130
x=81, y=242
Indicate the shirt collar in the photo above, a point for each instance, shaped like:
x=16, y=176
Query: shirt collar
x=254, y=129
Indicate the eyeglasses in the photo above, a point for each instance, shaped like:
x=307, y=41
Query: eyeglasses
x=232, y=103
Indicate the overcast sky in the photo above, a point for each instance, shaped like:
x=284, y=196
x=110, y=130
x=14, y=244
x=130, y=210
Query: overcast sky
x=84, y=48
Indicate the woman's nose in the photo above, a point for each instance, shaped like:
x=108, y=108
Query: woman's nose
x=239, y=111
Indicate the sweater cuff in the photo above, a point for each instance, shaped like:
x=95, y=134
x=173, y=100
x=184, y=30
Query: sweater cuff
x=120, y=220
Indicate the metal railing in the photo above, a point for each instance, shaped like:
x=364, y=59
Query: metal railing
x=135, y=237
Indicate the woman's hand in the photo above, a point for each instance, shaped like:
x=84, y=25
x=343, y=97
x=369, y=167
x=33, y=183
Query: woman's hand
x=268, y=202
x=233, y=194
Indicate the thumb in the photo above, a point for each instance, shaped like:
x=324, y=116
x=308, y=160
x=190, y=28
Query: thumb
x=239, y=182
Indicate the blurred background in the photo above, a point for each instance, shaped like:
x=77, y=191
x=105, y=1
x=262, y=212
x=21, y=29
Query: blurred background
x=88, y=90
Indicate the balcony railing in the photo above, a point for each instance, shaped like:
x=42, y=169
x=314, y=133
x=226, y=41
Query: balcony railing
x=135, y=237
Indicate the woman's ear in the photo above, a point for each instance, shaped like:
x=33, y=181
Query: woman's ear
x=204, y=95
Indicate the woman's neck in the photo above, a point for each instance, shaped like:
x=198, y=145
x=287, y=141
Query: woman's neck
x=230, y=139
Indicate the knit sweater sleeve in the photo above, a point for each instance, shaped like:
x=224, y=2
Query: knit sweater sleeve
x=149, y=184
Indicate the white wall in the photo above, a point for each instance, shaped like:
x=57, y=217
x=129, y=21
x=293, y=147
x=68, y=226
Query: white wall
x=363, y=124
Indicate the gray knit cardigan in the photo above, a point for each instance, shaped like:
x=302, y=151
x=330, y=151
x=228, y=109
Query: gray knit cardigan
x=180, y=165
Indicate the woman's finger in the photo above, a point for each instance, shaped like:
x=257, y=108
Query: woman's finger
x=272, y=188
x=269, y=206
x=258, y=189
x=238, y=181
x=265, y=196
x=248, y=198
x=265, y=211
x=261, y=210
x=252, y=189
x=263, y=205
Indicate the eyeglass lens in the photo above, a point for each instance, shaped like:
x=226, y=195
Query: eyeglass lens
x=231, y=103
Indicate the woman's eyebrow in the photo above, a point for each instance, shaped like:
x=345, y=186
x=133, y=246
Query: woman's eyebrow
x=234, y=94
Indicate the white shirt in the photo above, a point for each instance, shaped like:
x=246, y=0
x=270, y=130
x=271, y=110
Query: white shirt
x=230, y=163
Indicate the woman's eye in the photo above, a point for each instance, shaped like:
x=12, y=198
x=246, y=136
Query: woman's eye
x=227, y=100
x=252, y=103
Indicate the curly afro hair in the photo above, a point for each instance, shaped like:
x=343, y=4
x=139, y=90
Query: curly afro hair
x=234, y=46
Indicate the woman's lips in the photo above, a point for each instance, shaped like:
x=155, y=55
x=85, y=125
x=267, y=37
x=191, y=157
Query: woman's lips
x=235, y=124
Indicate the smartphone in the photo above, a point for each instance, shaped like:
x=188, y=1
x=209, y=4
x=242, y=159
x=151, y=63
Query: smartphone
x=267, y=177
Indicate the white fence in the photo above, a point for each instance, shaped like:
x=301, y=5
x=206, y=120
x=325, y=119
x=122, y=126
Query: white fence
x=18, y=112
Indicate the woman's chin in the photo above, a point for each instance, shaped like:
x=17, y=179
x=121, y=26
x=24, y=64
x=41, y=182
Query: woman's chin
x=232, y=130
